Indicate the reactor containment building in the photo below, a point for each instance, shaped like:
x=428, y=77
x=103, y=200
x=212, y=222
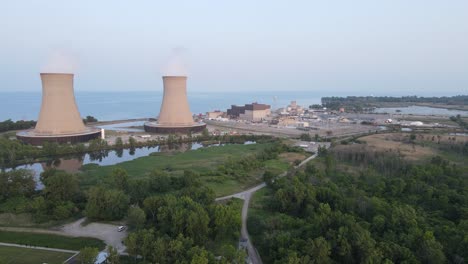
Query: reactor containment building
x=59, y=119
x=175, y=115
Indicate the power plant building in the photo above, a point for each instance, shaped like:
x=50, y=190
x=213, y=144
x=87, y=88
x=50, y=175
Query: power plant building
x=59, y=119
x=250, y=112
x=175, y=115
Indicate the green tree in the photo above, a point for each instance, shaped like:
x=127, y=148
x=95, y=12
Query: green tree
x=89, y=119
x=113, y=256
x=151, y=206
x=136, y=217
x=131, y=242
x=16, y=183
x=120, y=179
x=118, y=142
x=320, y=250
x=39, y=209
x=61, y=186
x=269, y=177
x=429, y=250
x=63, y=210
x=106, y=204
x=88, y=255
x=226, y=221
x=200, y=258
x=132, y=142
x=305, y=137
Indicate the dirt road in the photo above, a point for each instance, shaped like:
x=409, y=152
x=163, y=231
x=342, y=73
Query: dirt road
x=246, y=195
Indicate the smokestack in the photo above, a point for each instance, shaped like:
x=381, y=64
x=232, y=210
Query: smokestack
x=175, y=115
x=59, y=112
x=59, y=119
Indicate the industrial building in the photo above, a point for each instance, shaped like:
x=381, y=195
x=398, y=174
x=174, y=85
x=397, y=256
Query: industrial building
x=215, y=114
x=59, y=119
x=254, y=112
x=175, y=115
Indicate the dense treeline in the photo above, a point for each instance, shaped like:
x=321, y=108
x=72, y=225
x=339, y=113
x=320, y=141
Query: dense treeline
x=60, y=199
x=360, y=102
x=89, y=119
x=378, y=208
x=8, y=125
x=14, y=152
x=173, y=219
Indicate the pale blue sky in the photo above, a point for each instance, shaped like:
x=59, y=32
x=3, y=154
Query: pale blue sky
x=358, y=47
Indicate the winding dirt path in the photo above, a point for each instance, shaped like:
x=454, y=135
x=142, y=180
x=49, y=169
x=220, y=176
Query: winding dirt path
x=246, y=195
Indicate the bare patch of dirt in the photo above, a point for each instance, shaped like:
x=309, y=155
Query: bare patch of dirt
x=399, y=143
x=291, y=156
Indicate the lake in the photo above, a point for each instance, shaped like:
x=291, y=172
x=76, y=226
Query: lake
x=421, y=110
x=107, y=106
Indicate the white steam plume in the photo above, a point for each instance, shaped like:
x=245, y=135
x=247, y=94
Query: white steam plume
x=60, y=62
x=177, y=64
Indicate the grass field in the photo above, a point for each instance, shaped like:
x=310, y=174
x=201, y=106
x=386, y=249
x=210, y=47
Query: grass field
x=51, y=241
x=201, y=160
x=15, y=255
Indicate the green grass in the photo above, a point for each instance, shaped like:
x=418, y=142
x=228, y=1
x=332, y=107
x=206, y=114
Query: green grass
x=277, y=165
x=260, y=197
x=48, y=240
x=16, y=255
x=201, y=160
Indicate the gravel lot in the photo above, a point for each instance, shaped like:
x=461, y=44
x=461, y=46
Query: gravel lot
x=106, y=232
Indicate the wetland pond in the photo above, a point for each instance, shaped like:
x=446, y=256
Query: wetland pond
x=73, y=164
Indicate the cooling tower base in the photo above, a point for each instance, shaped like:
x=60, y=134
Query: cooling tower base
x=30, y=137
x=154, y=127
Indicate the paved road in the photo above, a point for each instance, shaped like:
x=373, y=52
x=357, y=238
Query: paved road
x=246, y=195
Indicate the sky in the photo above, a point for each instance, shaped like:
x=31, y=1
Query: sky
x=394, y=47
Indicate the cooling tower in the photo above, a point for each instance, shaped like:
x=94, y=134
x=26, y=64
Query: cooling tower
x=175, y=115
x=59, y=119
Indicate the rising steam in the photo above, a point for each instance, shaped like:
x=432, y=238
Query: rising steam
x=60, y=62
x=176, y=65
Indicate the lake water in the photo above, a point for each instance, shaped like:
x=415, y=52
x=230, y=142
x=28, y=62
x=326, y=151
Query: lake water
x=127, y=105
x=421, y=110
x=126, y=126
x=143, y=104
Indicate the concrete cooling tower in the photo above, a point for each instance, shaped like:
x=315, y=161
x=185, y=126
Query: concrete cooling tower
x=59, y=119
x=175, y=115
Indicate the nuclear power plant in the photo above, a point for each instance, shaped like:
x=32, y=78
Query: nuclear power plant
x=59, y=119
x=175, y=115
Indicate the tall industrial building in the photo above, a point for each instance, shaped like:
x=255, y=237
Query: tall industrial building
x=175, y=115
x=253, y=112
x=59, y=119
